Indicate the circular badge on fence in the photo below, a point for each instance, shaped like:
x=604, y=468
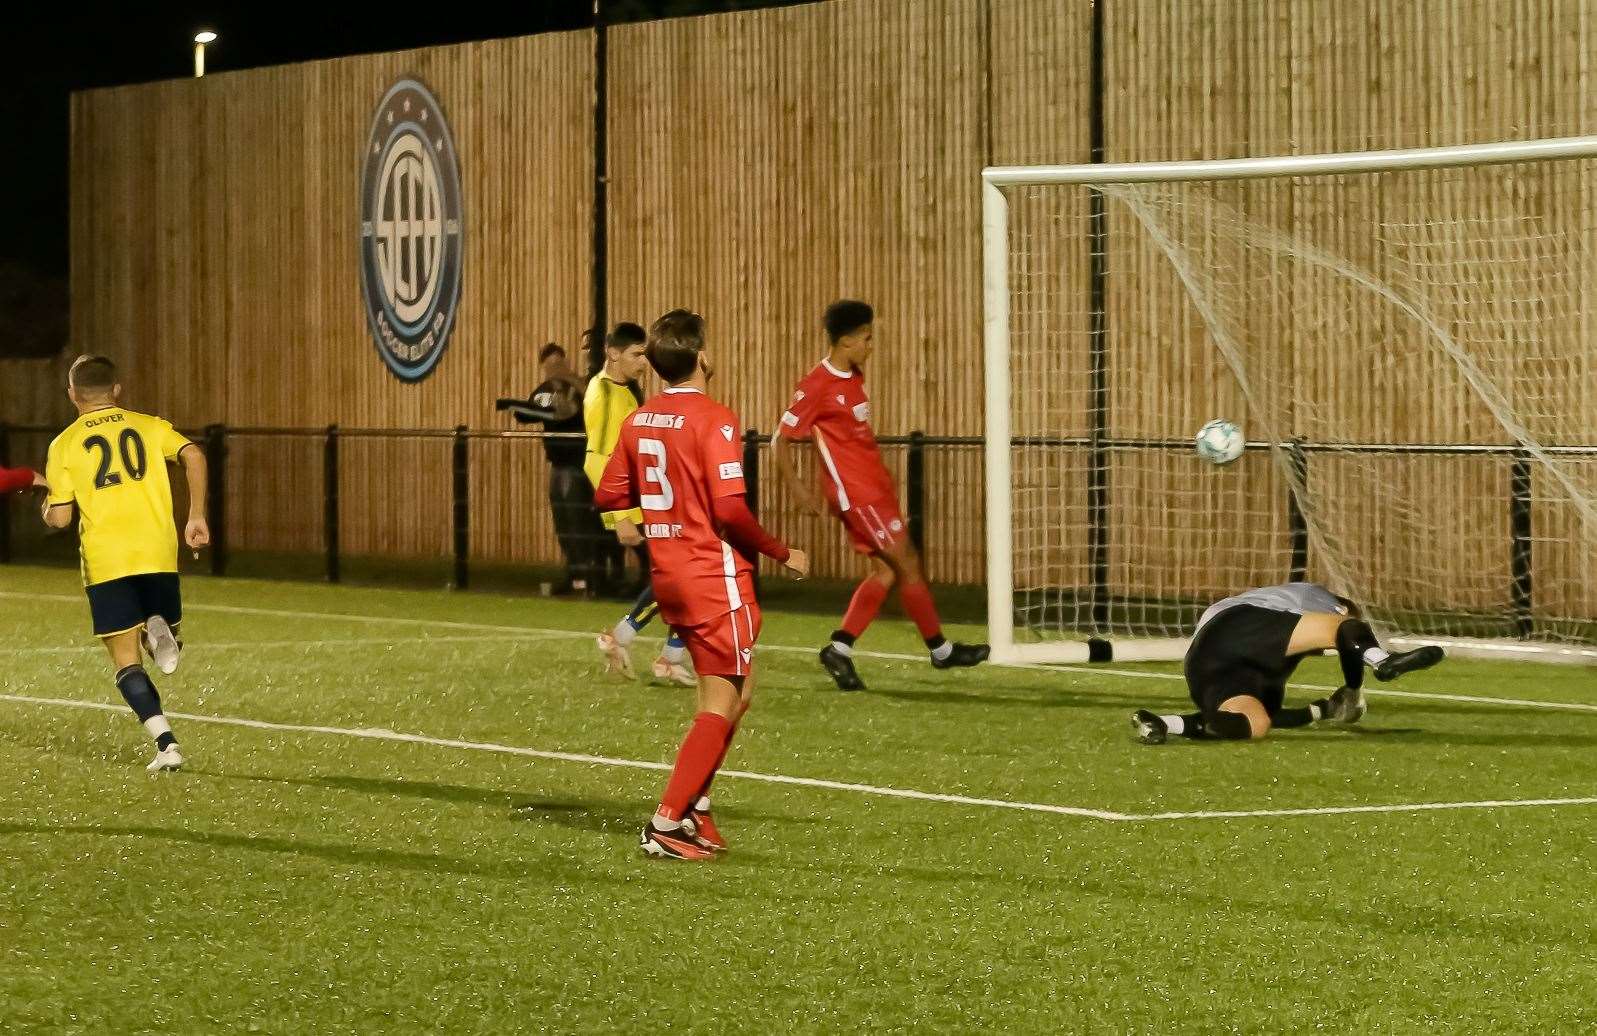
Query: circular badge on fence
x=410, y=230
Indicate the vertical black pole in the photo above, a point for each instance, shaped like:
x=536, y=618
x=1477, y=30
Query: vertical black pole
x=1519, y=502
x=751, y=482
x=462, y=507
x=915, y=489
x=601, y=80
x=216, y=495
x=5, y=508
x=330, y=501
x=1296, y=522
x=1097, y=344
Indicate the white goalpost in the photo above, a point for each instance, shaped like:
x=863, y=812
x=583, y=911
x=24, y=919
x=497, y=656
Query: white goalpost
x=1408, y=340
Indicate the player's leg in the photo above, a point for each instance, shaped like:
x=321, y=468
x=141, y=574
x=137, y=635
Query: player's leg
x=1356, y=647
x=139, y=692
x=722, y=650
x=915, y=594
x=118, y=609
x=837, y=657
x=699, y=821
x=161, y=602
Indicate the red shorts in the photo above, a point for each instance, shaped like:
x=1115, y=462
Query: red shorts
x=724, y=645
x=874, y=527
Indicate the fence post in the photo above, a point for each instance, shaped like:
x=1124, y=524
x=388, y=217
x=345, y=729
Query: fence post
x=1519, y=514
x=5, y=508
x=915, y=490
x=1296, y=522
x=330, y=501
x=216, y=495
x=751, y=484
x=462, y=507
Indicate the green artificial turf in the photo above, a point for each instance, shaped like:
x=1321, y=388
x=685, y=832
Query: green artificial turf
x=292, y=881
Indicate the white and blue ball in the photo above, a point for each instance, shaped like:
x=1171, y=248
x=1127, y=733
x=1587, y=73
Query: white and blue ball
x=1220, y=442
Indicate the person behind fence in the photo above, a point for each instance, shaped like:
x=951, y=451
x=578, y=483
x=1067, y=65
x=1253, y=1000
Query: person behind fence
x=556, y=404
x=611, y=398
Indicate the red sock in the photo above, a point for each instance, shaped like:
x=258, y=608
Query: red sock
x=863, y=606
x=917, y=600
x=696, y=761
x=731, y=733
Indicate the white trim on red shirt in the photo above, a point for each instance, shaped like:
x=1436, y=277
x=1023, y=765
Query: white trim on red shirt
x=827, y=363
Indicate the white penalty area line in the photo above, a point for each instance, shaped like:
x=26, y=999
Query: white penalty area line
x=380, y=734
x=539, y=631
x=205, y=647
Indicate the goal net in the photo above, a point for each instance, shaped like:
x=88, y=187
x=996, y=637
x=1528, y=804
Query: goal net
x=1405, y=338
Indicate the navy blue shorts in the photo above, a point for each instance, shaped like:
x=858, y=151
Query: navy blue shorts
x=119, y=605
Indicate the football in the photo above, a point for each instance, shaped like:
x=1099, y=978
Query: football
x=1220, y=442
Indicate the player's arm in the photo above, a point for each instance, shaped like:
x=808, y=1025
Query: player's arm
x=197, y=533
x=795, y=426
x=729, y=502
x=615, y=491
x=15, y=480
x=57, y=509
x=595, y=418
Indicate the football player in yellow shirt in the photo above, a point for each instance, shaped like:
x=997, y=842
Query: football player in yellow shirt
x=111, y=465
x=606, y=405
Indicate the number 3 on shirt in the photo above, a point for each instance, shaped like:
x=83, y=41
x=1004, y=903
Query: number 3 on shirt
x=654, y=471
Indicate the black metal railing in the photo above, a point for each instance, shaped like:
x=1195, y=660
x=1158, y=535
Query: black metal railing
x=917, y=445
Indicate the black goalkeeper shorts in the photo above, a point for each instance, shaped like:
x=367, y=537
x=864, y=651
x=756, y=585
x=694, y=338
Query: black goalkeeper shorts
x=1242, y=651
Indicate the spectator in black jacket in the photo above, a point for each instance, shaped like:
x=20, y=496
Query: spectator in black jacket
x=557, y=405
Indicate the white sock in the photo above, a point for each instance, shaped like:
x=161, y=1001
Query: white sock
x=943, y=650
x=625, y=633
x=846, y=650
x=662, y=823
x=157, y=725
x=1375, y=656
x=703, y=805
x=1175, y=724
x=674, y=653
x=1315, y=713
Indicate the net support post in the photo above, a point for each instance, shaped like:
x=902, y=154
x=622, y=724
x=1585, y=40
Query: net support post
x=1519, y=526
x=5, y=507
x=330, y=501
x=216, y=495
x=998, y=450
x=1297, y=524
x=462, y=507
x=751, y=486
x=915, y=490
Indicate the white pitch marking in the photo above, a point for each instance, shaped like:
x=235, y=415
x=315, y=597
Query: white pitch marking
x=380, y=734
x=203, y=647
x=228, y=609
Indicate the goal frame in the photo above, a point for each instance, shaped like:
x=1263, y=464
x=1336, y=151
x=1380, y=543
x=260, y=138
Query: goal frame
x=996, y=359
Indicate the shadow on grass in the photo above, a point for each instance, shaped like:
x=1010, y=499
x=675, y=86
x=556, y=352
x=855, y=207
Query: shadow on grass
x=596, y=815
x=387, y=859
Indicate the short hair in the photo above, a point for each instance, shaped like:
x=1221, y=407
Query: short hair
x=625, y=335
x=675, y=341
x=552, y=349
x=94, y=373
x=845, y=316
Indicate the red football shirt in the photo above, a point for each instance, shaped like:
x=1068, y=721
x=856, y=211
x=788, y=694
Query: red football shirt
x=830, y=407
x=678, y=453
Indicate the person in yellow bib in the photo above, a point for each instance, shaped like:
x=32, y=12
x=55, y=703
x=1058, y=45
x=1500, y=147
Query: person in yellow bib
x=110, y=466
x=606, y=405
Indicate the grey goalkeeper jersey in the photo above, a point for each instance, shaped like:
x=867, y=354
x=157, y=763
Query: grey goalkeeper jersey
x=1297, y=598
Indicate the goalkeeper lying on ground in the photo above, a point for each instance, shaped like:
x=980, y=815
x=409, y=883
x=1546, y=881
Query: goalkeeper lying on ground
x=1246, y=649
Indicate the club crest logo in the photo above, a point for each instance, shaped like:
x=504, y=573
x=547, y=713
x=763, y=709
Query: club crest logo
x=410, y=230
x=727, y=431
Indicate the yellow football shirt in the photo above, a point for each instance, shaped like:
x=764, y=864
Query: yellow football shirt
x=605, y=405
x=112, y=464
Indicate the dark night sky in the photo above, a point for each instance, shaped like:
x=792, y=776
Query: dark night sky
x=86, y=45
